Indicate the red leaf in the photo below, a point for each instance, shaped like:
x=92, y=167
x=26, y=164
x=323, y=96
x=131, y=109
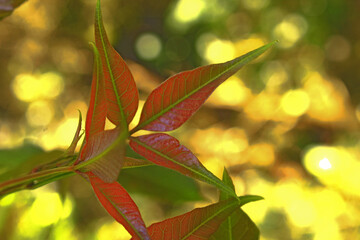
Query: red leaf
x=166, y=151
x=180, y=96
x=121, y=92
x=120, y=206
x=198, y=224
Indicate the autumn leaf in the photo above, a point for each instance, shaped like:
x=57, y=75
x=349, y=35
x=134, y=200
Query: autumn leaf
x=121, y=92
x=166, y=151
x=120, y=206
x=180, y=96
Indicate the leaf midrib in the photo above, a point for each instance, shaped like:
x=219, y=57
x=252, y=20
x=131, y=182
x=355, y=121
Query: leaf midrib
x=167, y=109
x=210, y=218
x=100, y=27
x=220, y=186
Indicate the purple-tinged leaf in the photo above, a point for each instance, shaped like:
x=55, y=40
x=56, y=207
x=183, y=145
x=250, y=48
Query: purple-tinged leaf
x=120, y=206
x=180, y=96
x=166, y=151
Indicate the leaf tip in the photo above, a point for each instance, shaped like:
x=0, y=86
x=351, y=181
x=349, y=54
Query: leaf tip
x=249, y=198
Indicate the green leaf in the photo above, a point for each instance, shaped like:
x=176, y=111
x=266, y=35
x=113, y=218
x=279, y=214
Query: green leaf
x=149, y=180
x=238, y=226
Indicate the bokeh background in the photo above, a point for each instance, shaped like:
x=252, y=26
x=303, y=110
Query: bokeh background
x=286, y=126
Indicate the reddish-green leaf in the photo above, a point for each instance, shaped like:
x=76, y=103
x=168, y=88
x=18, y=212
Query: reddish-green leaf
x=237, y=226
x=198, y=224
x=106, y=150
x=121, y=92
x=166, y=151
x=180, y=96
x=96, y=115
x=120, y=206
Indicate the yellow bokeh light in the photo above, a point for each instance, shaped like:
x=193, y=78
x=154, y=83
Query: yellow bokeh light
x=304, y=217
x=263, y=107
x=112, y=230
x=7, y=200
x=219, y=51
x=244, y=46
x=290, y=30
x=295, y=102
x=325, y=164
x=261, y=154
x=39, y=113
x=189, y=10
x=232, y=92
x=28, y=87
x=65, y=132
x=341, y=161
x=326, y=98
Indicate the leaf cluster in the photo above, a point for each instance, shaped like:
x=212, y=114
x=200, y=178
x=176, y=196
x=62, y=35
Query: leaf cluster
x=114, y=96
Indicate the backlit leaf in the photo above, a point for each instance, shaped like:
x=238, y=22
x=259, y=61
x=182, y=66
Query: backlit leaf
x=121, y=92
x=180, y=96
x=120, y=206
x=76, y=138
x=107, y=151
x=166, y=151
x=198, y=224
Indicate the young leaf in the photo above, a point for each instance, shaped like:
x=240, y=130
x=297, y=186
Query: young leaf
x=76, y=138
x=166, y=151
x=180, y=96
x=107, y=151
x=200, y=223
x=120, y=206
x=237, y=226
x=121, y=92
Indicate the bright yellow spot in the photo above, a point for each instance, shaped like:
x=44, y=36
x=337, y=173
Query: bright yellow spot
x=244, y=46
x=72, y=109
x=148, y=46
x=290, y=30
x=342, y=161
x=189, y=10
x=219, y=51
x=52, y=85
x=7, y=200
x=325, y=164
x=255, y=4
x=224, y=144
x=29, y=87
x=63, y=135
x=326, y=98
x=112, y=230
x=231, y=93
x=327, y=229
x=39, y=113
x=295, y=102
x=329, y=204
x=304, y=217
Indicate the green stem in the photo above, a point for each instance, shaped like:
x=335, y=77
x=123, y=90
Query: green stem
x=24, y=181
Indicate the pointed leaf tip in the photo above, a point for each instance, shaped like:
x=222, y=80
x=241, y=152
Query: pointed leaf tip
x=121, y=92
x=249, y=198
x=173, y=102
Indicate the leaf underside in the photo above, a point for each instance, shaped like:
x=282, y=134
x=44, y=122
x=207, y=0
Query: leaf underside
x=120, y=206
x=181, y=95
x=166, y=151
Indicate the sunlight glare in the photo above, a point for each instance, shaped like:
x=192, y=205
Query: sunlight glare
x=189, y=10
x=325, y=164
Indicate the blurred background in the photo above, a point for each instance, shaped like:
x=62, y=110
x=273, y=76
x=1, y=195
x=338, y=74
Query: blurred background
x=286, y=126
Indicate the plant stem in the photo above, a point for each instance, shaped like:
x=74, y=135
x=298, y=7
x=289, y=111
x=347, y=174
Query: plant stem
x=33, y=176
